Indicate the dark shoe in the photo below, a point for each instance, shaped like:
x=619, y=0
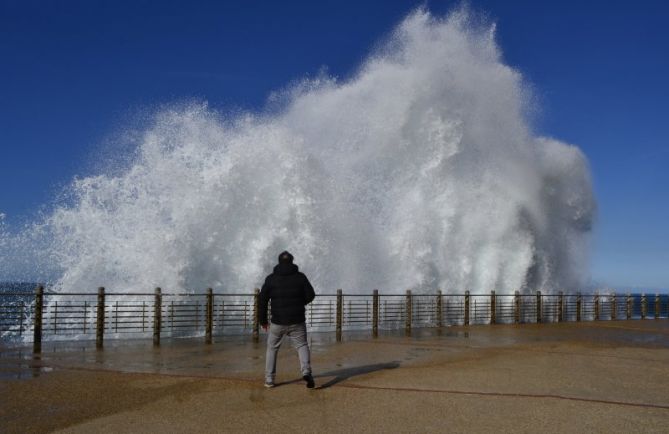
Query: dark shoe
x=310, y=381
x=269, y=384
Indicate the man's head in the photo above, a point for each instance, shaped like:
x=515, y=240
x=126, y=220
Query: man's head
x=285, y=257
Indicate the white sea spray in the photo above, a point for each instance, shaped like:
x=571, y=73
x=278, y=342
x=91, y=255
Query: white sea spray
x=421, y=171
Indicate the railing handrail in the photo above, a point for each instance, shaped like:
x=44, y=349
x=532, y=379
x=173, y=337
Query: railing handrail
x=238, y=294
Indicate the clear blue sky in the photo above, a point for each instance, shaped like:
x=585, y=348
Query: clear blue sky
x=73, y=73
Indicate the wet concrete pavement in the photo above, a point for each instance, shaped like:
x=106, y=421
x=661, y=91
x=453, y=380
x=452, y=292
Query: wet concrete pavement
x=608, y=376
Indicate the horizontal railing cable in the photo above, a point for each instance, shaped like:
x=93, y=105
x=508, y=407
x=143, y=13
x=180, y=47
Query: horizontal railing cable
x=114, y=314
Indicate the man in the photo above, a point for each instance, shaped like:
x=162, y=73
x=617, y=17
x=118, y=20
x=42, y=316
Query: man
x=289, y=290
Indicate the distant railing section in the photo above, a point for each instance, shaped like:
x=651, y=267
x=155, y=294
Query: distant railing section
x=117, y=315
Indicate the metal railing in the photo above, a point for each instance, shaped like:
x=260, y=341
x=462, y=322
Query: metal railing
x=113, y=315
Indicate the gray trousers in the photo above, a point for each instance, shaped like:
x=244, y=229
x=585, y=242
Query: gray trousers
x=298, y=337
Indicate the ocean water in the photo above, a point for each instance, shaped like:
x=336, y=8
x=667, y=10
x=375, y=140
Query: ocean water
x=16, y=291
x=16, y=302
x=422, y=170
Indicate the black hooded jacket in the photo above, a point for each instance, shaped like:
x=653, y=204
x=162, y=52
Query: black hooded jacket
x=290, y=291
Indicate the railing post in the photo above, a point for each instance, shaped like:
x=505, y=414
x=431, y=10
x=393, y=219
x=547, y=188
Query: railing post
x=143, y=316
x=221, y=324
x=560, y=306
x=466, y=307
x=597, y=306
x=340, y=314
x=657, y=306
x=85, y=315
x=157, y=317
x=375, y=314
x=407, y=317
x=22, y=317
x=256, y=317
x=493, y=307
x=440, y=309
x=539, y=309
x=628, y=307
x=516, y=307
x=614, y=307
x=209, y=319
x=55, y=317
x=37, y=319
x=197, y=315
x=644, y=306
x=170, y=316
x=100, y=319
x=578, y=306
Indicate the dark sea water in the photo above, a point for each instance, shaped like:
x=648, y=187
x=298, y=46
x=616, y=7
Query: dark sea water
x=16, y=291
x=16, y=300
x=6, y=287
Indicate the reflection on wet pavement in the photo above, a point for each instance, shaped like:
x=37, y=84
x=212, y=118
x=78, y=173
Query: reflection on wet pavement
x=21, y=364
x=238, y=357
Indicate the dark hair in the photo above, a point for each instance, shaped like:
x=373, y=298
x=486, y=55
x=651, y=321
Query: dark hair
x=285, y=257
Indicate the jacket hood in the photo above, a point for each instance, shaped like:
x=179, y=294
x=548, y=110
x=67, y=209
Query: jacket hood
x=285, y=269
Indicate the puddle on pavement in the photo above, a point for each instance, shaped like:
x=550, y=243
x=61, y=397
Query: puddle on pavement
x=20, y=365
x=234, y=355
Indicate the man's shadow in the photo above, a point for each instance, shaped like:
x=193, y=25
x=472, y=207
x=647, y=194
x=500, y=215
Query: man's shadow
x=346, y=373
